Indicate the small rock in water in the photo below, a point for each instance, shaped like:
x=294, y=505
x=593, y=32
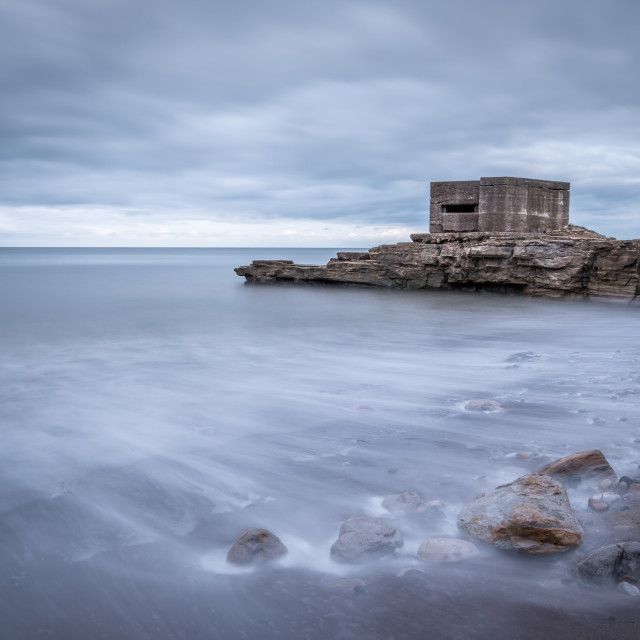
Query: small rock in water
x=346, y=584
x=626, y=483
x=622, y=487
x=362, y=538
x=256, y=546
x=408, y=502
x=602, y=501
x=482, y=404
x=523, y=356
x=605, y=484
x=447, y=550
x=597, y=504
x=610, y=497
x=555, y=583
x=408, y=570
x=628, y=589
x=522, y=455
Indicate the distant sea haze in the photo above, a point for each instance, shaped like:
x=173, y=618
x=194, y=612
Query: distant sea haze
x=154, y=407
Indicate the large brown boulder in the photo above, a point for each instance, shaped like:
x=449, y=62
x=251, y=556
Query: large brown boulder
x=581, y=466
x=530, y=515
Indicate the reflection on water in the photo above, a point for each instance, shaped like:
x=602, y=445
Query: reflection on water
x=153, y=408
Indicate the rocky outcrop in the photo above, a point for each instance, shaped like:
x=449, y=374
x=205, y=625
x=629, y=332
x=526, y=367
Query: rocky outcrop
x=573, y=262
x=256, y=546
x=530, y=515
x=361, y=538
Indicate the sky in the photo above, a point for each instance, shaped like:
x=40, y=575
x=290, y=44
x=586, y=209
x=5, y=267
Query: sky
x=312, y=124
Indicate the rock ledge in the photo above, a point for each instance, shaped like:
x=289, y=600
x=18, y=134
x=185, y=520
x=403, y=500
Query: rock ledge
x=571, y=262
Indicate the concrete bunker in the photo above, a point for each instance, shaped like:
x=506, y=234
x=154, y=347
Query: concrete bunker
x=504, y=204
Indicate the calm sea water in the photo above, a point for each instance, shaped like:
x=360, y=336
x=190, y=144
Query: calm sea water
x=153, y=407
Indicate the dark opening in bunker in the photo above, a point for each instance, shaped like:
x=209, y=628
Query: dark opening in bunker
x=459, y=208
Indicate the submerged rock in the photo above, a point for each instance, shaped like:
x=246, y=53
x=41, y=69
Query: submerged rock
x=409, y=571
x=256, y=546
x=597, y=503
x=347, y=584
x=407, y=502
x=602, y=501
x=447, y=550
x=584, y=465
x=530, y=515
x=362, y=538
x=611, y=564
x=483, y=404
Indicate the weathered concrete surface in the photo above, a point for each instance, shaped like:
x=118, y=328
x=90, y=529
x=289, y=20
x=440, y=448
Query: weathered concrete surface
x=573, y=262
x=530, y=515
x=522, y=204
x=499, y=204
x=465, y=192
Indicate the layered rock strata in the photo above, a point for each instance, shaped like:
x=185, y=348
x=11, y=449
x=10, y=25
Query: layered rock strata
x=572, y=262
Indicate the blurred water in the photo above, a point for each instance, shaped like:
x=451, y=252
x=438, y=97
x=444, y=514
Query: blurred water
x=153, y=407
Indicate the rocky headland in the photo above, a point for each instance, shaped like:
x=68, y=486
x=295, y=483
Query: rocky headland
x=570, y=262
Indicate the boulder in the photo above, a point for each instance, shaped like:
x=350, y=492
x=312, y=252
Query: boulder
x=586, y=465
x=362, y=538
x=447, y=550
x=256, y=546
x=611, y=564
x=530, y=515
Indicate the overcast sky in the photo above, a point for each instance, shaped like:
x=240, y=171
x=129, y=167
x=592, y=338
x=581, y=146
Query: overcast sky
x=300, y=123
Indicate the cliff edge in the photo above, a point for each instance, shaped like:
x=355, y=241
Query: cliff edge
x=570, y=262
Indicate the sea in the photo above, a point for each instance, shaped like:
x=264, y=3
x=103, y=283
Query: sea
x=153, y=407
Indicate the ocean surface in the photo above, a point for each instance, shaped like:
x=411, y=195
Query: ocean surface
x=153, y=407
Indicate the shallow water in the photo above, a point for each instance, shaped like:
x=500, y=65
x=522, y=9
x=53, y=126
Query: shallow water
x=153, y=407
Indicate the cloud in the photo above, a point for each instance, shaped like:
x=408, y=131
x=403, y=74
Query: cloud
x=281, y=112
